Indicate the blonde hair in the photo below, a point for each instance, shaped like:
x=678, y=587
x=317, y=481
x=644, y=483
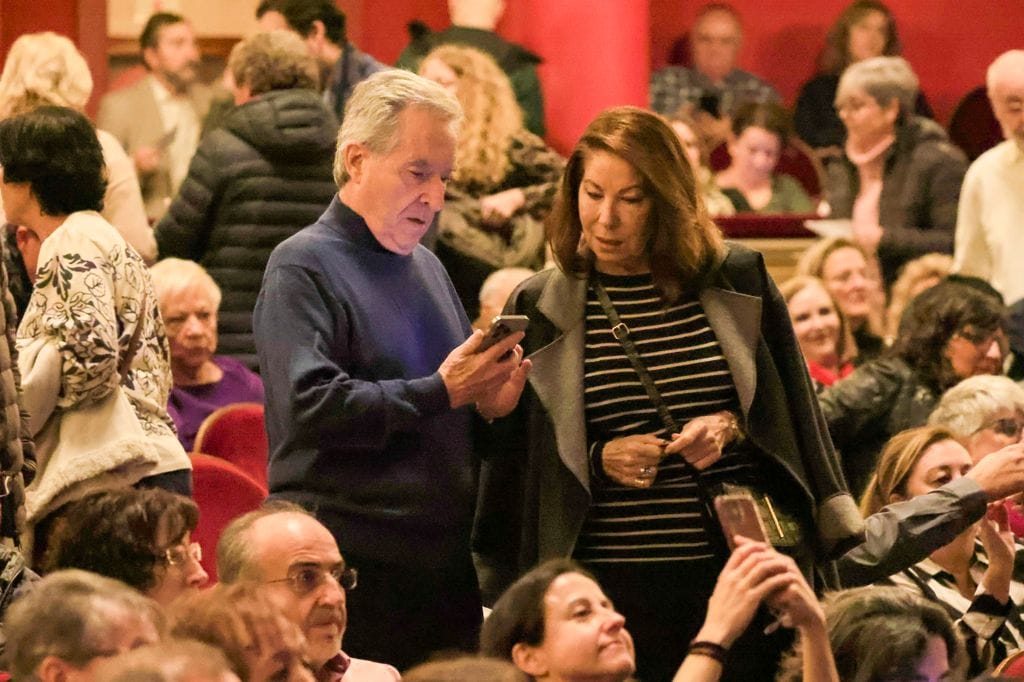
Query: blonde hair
x=173, y=276
x=966, y=408
x=43, y=69
x=846, y=347
x=911, y=275
x=812, y=262
x=897, y=461
x=492, y=114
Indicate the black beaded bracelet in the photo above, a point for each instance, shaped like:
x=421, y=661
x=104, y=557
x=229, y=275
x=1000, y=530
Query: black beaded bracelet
x=709, y=649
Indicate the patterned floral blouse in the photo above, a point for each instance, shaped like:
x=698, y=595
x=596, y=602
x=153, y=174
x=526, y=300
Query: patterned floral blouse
x=92, y=290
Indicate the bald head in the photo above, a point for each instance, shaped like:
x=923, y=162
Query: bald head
x=482, y=14
x=1006, y=92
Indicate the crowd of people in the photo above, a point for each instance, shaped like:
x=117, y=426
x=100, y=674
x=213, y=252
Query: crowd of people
x=677, y=470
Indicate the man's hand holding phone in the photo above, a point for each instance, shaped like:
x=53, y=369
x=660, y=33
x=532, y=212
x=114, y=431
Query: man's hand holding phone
x=488, y=369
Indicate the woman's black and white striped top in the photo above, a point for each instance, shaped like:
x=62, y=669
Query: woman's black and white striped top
x=682, y=355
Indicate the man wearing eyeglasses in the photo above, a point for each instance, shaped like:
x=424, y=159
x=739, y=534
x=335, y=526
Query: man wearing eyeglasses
x=284, y=548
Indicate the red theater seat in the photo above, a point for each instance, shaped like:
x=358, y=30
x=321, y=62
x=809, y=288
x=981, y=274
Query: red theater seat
x=223, y=492
x=973, y=127
x=236, y=433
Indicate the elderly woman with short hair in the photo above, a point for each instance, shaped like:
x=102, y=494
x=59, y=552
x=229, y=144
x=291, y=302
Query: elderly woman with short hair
x=985, y=413
x=255, y=181
x=899, y=177
x=203, y=382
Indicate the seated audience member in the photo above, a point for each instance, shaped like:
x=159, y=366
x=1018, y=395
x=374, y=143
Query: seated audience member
x=158, y=120
x=258, y=179
x=141, y=537
x=850, y=278
x=685, y=127
x=985, y=414
x=865, y=29
x=473, y=24
x=295, y=558
x=759, y=133
x=974, y=575
x=904, y=533
x=495, y=290
x=47, y=69
x=555, y=623
x=916, y=276
x=713, y=86
x=883, y=633
x=991, y=204
x=466, y=669
x=322, y=26
x=168, y=661
x=71, y=621
x=505, y=176
x=821, y=330
x=203, y=382
x=949, y=333
x=242, y=620
x=899, y=177
x=93, y=357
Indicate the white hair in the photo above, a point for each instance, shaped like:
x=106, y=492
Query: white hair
x=884, y=78
x=1011, y=61
x=371, y=115
x=43, y=69
x=970, y=405
x=175, y=276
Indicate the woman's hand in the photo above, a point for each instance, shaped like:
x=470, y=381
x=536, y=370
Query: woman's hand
x=498, y=209
x=754, y=571
x=997, y=539
x=702, y=439
x=633, y=460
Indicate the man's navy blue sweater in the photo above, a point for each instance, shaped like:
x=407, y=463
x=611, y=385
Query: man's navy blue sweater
x=350, y=337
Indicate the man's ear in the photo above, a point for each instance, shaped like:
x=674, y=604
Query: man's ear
x=315, y=36
x=354, y=156
x=530, y=659
x=149, y=57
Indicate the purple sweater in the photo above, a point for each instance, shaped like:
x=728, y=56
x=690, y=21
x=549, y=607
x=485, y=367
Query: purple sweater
x=190, y=405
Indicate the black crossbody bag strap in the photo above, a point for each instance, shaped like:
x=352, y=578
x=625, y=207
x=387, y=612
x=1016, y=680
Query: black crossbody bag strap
x=621, y=333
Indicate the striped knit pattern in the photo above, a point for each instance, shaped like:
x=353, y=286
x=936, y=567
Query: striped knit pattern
x=682, y=355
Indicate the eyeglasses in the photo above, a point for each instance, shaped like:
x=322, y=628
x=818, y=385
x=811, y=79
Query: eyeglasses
x=983, y=339
x=177, y=555
x=306, y=578
x=1007, y=426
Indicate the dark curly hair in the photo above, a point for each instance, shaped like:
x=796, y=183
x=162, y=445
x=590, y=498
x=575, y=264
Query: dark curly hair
x=114, y=533
x=518, y=615
x=934, y=317
x=150, y=37
x=56, y=151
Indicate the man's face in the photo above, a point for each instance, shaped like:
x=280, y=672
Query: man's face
x=294, y=556
x=176, y=56
x=1007, y=98
x=399, y=192
x=716, y=45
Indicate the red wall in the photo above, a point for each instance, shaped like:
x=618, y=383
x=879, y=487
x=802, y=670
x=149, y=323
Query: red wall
x=950, y=43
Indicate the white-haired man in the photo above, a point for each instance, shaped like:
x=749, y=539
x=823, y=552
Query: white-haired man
x=992, y=199
x=371, y=381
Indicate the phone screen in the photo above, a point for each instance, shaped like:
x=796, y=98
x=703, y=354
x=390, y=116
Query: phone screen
x=737, y=513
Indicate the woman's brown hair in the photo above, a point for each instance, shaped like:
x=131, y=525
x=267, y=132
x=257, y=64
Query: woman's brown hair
x=683, y=244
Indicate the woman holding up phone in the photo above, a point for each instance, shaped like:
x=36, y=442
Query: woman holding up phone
x=594, y=466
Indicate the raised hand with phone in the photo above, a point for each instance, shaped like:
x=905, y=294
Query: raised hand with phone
x=488, y=371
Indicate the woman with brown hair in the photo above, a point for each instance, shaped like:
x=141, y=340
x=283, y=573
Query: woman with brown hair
x=973, y=577
x=504, y=179
x=595, y=466
x=865, y=29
